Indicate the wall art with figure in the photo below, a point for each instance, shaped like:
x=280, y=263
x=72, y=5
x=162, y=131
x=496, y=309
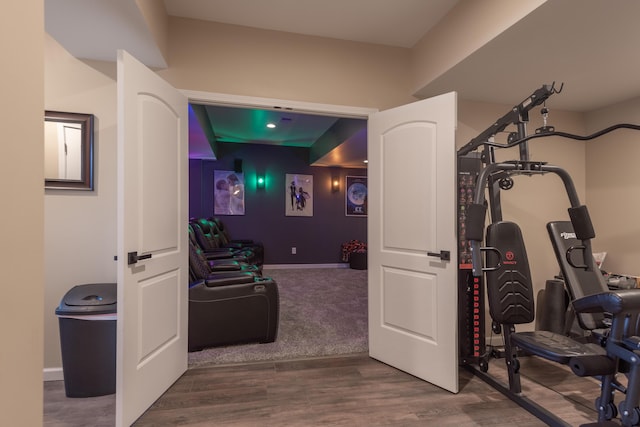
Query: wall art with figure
x=228, y=193
x=356, y=196
x=298, y=195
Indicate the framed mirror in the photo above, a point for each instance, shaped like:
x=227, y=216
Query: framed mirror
x=68, y=151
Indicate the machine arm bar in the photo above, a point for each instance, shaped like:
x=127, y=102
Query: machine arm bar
x=518, y=114
x=478, y=197
x=563, y=135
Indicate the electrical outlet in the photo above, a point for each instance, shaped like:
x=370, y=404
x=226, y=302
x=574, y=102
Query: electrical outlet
x=293, y=250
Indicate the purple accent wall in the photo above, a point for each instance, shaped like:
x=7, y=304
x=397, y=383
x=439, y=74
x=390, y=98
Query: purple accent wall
x=317, y=239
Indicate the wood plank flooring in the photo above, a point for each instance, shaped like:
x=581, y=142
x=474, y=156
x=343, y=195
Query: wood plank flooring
x=62, y=411
x=338, y=391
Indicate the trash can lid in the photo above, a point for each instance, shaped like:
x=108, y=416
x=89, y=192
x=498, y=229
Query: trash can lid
x=94, y=298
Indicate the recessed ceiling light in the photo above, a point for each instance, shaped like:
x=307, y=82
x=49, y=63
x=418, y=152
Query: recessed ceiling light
x=365, y=161
x=271, y=125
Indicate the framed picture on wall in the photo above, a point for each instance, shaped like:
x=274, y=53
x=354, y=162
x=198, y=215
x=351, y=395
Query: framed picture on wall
x=228, y=193
x=356, y=196
x=298, y=195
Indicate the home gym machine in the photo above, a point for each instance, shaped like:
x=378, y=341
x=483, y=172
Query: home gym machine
x=497, y=264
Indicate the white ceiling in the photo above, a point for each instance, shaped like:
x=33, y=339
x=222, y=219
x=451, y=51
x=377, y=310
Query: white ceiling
x=589, y=45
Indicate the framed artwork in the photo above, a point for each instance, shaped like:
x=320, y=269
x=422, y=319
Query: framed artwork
x=298, y=195
x=228, y=193
x=356, y=196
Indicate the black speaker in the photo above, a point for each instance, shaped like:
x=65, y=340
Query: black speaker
x=237, y=165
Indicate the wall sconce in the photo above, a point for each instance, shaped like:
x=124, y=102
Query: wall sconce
x=260, y=182
x=335, y=185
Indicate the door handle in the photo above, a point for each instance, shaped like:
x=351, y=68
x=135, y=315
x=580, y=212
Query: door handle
x=443, y=255
x=133, y=257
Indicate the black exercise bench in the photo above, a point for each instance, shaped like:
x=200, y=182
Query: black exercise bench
x=511, y=302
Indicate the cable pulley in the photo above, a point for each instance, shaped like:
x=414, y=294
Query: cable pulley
x=506, y=183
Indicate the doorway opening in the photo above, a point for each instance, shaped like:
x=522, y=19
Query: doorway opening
x=240, y=120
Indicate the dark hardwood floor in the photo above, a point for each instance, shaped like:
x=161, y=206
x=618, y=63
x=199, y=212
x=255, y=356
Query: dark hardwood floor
x=337, y=391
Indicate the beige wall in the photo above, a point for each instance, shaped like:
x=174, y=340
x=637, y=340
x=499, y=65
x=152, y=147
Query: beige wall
x=155, y=15
x=534, y=200
x=21, y=224
x=238, y=60
x=613, y=186
x=80, y=226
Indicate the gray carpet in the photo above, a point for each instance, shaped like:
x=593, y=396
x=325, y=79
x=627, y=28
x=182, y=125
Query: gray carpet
x=323, y=311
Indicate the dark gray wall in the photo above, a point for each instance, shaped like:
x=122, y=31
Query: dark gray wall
x=317, y=239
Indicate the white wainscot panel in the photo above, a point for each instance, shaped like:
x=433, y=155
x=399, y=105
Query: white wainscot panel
x=407, y=307
x=158, y=313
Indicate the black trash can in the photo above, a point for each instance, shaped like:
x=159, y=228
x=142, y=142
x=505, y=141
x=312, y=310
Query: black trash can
x=87, y=317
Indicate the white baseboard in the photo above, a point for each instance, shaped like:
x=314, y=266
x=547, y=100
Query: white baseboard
x=52, y=374
x=292, y=266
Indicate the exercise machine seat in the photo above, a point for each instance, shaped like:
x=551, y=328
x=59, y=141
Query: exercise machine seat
x=579, y=271
x=555, y=347
x=511, y=302
x=509, y=286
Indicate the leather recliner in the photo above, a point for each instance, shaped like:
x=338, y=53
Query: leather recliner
x=232, y=310
x=220, y=259
x=223, y=236
x=202, y=268
x=213, y=253
x=229, y=307
x=209, y=239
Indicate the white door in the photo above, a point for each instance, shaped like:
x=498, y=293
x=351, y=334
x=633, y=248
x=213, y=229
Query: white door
x=413, y=298
x=152, y=219
x=70, y=151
